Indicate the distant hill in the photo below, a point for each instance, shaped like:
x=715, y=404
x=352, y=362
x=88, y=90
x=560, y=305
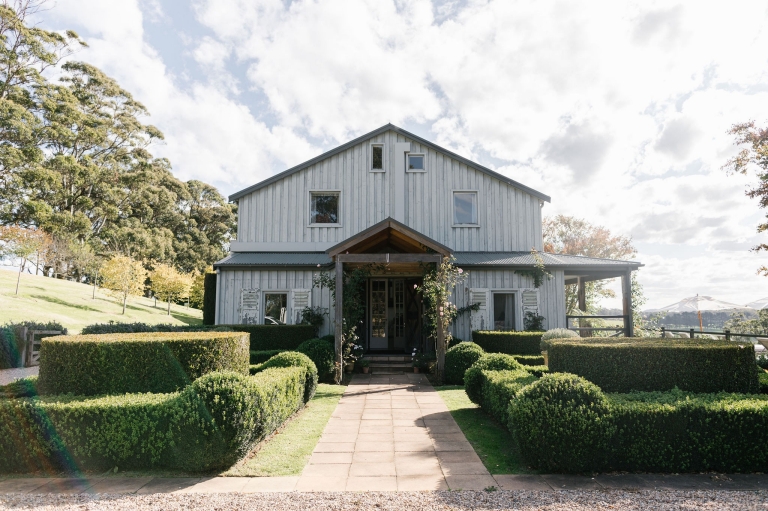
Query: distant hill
x=70, y=303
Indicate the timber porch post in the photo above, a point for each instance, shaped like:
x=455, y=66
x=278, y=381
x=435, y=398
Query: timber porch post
x=626, y=291
x=339, y=317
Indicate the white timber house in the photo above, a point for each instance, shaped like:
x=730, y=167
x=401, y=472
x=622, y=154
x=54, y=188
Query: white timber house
x=396, y=201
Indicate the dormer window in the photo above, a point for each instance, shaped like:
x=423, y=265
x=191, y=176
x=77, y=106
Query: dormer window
x=324, y=207
x=416, y=163
x=465, y=208
x=377, y=158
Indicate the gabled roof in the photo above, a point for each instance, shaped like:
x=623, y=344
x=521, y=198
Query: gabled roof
x=384, y=129
x=388, y=232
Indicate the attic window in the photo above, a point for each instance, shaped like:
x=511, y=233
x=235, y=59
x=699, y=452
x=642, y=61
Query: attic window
x=465, y=208
x=416, y=163
x=377, y=157
x=324, y=208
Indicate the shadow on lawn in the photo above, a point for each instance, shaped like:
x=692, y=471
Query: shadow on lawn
x=59, y=301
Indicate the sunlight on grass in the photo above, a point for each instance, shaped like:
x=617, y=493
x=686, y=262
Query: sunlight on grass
x=287, y=452
x=491, y=441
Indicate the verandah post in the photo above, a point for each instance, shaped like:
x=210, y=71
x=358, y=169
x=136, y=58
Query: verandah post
x=626, y=290
x=339, y=317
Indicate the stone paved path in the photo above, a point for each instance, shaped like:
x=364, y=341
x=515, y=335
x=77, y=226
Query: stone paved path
x=393, y=432
x=8, y=375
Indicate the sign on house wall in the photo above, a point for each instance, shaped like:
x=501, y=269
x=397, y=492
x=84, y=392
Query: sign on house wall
x=249, y=306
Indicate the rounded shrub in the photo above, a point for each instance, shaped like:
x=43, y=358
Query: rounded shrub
x=460, y=358
x=473, y=381
x=322, y=354
x=295, y=359
x=88, y=365
x=562, y=424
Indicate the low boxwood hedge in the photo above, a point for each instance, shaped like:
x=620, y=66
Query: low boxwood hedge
x=259, y=357
x=512, y=343
x=499, y=388
x=473, y=378
x=624, y=365
x=88, y=365
x=274, y=337
x=322, y=353
x=21, y=387
x=530, y=360
x=293, y=359
x=207, y=426
x=458, y=359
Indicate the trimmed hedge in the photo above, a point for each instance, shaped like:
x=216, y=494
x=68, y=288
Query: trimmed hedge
x=763, y=380
x=259, y=357
x=537, y=371
x=21, y=387
x=473, y=378
x=9, y=349
x=677, y=431
x=512, y=343
x=294, y=359
x=88, y=365
x=208, y=426
x=458, y=359
x=322, y=353
x=498, y=388
x=138, y=327
x=530, y=360
x=624, y=365
x=561, y=423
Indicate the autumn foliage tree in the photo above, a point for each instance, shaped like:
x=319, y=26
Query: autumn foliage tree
x=123, y=276
x=752, y=158
x=169, y=284
x=575, y=236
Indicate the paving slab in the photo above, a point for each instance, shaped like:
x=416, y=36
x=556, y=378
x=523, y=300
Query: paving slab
x=621, y=481
x=22, y=484
x=66, y=485
x=119, y=485
x=571, y=482
x=521, y=482
x=168, y=484
x=217, y=485
x=270, y=484
x=474, y=482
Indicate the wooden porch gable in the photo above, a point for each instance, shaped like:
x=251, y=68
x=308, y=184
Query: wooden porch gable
x=389, y=236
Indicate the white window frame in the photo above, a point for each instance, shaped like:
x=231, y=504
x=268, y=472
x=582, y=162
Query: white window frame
x=309, y=207
x=518, y=326
x=287, y=293
x=407, y=157
x=383, y=153
x=477, y=206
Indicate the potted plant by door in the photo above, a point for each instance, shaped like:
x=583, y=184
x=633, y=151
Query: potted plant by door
x=417, y=362
x=365, y=364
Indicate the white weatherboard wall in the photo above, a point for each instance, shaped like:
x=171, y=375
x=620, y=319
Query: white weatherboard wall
x=509, y=218
x=233, y=282
x=550, y=294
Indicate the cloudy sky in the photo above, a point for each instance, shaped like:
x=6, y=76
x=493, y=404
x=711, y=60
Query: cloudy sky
x=618, y=110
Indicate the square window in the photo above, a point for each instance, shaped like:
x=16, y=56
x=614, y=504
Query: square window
x=465, y=208
x=377, y=157
x=324, y=208
x=503, y=311
x=275, y=305
x=415, y=162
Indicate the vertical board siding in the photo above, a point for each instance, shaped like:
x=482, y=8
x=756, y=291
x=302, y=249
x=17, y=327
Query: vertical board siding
x=232, y=282
x=509, y=218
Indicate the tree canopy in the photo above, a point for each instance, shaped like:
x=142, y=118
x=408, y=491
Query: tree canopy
x=75, y=162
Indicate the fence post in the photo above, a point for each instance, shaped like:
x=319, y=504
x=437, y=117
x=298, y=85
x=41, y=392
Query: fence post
x=727, y=334
x=693, y=332
x=663, y=329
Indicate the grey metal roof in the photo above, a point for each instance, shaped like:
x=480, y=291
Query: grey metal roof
x=378, y=131
x=274, y=259
x=526, y=259
x=462, y=259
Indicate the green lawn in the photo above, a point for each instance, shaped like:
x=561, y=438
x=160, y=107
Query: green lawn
x=72, y=305
x=491, y=441
x=288, y=451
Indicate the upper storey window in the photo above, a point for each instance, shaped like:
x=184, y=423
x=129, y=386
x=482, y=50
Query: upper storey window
x=465, y=208
x=377, y=157
x=416, y=163
x=324, y=208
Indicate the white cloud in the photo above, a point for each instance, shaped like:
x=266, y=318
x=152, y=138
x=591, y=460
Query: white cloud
x=618, y=110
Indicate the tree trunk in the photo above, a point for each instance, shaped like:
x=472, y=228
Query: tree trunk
x=18, y=278
x=125, y=299
x=169, y=305
x=94, y=285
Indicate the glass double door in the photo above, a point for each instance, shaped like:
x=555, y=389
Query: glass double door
x=394, y=315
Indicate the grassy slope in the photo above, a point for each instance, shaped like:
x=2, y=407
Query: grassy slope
x=288, y=451
x=491, y=441
x=70, y=303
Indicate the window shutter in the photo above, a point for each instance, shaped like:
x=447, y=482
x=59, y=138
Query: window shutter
x=479, y=319
x=300, y=298
x=530, y=299
x=250, y=302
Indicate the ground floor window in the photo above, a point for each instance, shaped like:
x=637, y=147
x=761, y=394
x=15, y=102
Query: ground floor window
x=275, y=306
x=503, y=311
